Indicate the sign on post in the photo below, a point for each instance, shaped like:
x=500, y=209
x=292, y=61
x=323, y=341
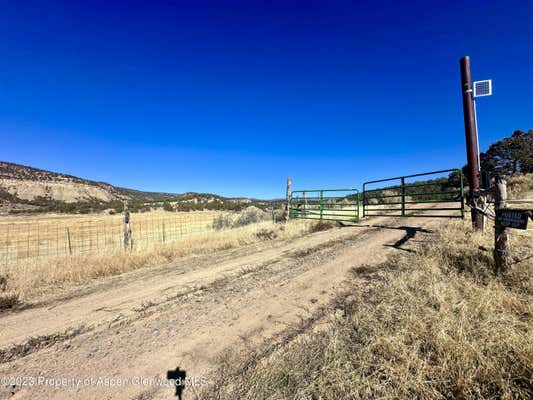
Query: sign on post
x=512, y=218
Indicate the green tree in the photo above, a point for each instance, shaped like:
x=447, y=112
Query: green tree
x=167, y=206
x=510, y=155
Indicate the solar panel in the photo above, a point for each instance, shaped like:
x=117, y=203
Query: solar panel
x=483, y=88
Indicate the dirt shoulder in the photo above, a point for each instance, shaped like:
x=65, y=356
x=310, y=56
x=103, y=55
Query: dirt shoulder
x=185, y=314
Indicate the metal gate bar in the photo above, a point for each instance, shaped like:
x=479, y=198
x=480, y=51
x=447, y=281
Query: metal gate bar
x=325, y=205
x=376, y=201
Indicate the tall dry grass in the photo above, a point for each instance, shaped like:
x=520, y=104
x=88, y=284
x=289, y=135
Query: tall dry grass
x=435, y=324
x=520, y=186
x=35, y=278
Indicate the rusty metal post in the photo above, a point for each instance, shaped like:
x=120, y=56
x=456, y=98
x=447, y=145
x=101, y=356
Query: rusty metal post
x=502, y=243
x=471, y=139
x=288, y=200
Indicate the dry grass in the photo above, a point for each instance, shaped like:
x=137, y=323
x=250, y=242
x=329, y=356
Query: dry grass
x=35, y=278
x=435, y=324
x=520, y=186
x=52, y=235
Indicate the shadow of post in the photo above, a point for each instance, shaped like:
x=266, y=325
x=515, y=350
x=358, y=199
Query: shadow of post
x=178, y=376
x=410, y=232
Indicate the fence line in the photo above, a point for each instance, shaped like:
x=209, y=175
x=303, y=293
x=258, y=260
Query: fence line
x=46, y=237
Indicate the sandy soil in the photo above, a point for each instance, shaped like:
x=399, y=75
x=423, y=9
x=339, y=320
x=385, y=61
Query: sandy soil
x=142, y=324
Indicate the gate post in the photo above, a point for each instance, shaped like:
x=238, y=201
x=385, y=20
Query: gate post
x=364, y=200
x=403, y=196
x=462, y=195
x=288, y=200
x=321, y=204
x=472, y=151
x=357, y=218
x=502, y=245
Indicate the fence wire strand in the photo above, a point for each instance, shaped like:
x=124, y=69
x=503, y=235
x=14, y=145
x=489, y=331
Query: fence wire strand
x=57, y=237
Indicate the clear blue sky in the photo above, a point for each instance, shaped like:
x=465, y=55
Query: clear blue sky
x=231, y=97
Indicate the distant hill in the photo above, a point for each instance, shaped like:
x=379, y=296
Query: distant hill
x=24, y=189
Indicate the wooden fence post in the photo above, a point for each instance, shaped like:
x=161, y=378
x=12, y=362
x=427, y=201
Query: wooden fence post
x=502, y=244
x=288, y=200
x=127, y=228
x=69, y=242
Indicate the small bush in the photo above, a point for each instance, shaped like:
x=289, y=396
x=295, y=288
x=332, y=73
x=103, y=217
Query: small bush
x=250, y=215
x=266, y=234
x=8, y=299
x=322, y=226
x=222, y=221
x=279, y=215
x=167, y=206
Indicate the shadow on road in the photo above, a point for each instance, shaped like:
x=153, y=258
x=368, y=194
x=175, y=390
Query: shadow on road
x=410, y=232
x=178, y=376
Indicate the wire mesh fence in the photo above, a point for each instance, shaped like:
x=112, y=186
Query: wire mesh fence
x=23, y=238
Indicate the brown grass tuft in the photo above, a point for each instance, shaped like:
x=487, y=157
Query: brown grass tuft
x=8, y=298
x=266, y=234
x=520, y=186
x=322, y=226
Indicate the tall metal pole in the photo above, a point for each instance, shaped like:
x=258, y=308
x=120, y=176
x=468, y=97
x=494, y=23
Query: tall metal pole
x=471, y=139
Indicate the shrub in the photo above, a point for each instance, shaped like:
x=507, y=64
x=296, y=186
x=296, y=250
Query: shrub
x=279, y=214
x=167, y=206
x=8, y=298
x=250, y=215
x=222, y=221
x=322, y=226
x=266, y=234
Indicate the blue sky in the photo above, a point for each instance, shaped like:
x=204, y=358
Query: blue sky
x=231, y=97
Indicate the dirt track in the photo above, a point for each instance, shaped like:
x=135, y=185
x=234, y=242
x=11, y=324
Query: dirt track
x=144, y=323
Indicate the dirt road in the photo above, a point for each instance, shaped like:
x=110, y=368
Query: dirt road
x=117, y=338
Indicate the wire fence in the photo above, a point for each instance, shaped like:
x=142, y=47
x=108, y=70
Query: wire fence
x=33, y=238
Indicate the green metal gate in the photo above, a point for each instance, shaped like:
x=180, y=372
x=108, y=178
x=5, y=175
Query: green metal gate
x=325, y=205
x=433, y=196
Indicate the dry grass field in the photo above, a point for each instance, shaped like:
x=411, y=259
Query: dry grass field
x=31, y=279
x=39, y=237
